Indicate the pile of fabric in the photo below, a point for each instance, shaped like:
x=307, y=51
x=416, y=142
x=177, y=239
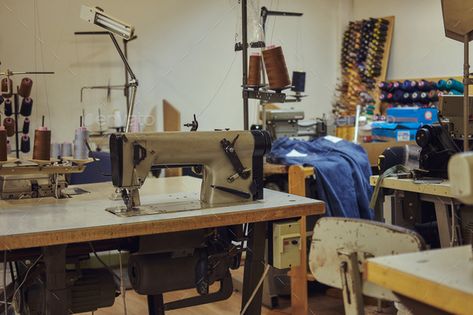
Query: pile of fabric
x=342, y=171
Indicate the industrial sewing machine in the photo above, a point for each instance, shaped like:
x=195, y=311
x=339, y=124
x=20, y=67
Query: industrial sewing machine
x=28, y=186
x=231, y=163
x=21, y=179
x=291, y=123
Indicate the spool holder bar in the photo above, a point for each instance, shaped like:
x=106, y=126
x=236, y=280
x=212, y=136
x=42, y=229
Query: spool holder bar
x=264, y=96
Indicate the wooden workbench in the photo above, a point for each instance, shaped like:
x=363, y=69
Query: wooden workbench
x=440, y=194
x=47, y=222
x=442, y=189
x=441, y=278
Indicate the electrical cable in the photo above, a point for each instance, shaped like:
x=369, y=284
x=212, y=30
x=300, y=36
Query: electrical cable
x=37, y=31
x=26, y=275
x=252, y=296
x=102, y=262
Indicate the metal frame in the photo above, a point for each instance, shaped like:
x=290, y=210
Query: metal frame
x=254, y=93
x=394, y=208
x=131, y=81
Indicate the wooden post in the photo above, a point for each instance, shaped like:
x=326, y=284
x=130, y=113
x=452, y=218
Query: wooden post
x=299, y=296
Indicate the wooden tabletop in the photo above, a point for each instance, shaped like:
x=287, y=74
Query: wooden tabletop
x=270, y=168
x=48, y=221
x=442, y=190
x=442, y=278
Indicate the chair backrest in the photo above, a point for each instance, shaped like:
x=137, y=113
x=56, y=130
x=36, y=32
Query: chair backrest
x=367, y=238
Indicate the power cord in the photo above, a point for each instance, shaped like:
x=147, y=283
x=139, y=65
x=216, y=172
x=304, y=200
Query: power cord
x=252, y=296
x=26, y=275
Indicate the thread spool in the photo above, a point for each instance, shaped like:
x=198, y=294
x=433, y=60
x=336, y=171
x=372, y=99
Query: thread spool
x=26, y=126
x=3, y=144
x=26, y=106
x=118, y=119
x=433, y=95
x=135, y=124
x=406, y=97
x=42, y=144
x=7, y=87
x=1, y=100
x=25, y=145
x=409, y=85
x=276, y=68
x=254, y=70
x=442, y=85
x=66, y=149
x=397, y=95
x=424, y=97
x=298, y=81
x=9, y=124
x=56, y=150
x=8, y=107
x=385, y=86
x=424, y=85
x=453, y=84
x=25, y=87
x=415, y=96
x=81, y=152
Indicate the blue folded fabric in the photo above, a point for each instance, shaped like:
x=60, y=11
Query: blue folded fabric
x=342, y=172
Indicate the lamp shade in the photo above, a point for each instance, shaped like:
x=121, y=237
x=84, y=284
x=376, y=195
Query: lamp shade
x=458, y=19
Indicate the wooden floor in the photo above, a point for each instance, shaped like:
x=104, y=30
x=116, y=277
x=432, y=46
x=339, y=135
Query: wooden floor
x=319, y=304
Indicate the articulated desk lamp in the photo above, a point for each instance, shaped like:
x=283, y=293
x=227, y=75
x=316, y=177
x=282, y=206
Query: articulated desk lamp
x=458, y=24
x=115, y=27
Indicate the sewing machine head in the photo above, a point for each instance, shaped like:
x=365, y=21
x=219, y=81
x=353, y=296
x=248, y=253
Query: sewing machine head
x=231, y=162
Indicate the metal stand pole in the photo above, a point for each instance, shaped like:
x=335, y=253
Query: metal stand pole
x=244, y=26
x=254, y=267
x=133, y=82
x=56, y=292
x=466, y=101
x=155, y=304
x=126, y=90
x=16, y=106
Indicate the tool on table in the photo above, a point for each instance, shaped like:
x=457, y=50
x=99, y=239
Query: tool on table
x=232, y=162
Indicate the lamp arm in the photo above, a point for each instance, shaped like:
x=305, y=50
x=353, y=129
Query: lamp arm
x=133, y=81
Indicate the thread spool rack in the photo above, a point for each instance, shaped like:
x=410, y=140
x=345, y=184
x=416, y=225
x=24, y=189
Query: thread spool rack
x=259, y=92
x=16, y=101
x=385, y=104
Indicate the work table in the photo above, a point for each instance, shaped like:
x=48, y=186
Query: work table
x=49, y=221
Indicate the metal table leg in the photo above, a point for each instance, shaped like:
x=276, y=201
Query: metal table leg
x=155, y=304
x=56, y=296
x=254, y=267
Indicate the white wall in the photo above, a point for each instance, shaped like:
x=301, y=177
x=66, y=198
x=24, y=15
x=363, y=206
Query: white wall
x=184, y=53
x=420, y=48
